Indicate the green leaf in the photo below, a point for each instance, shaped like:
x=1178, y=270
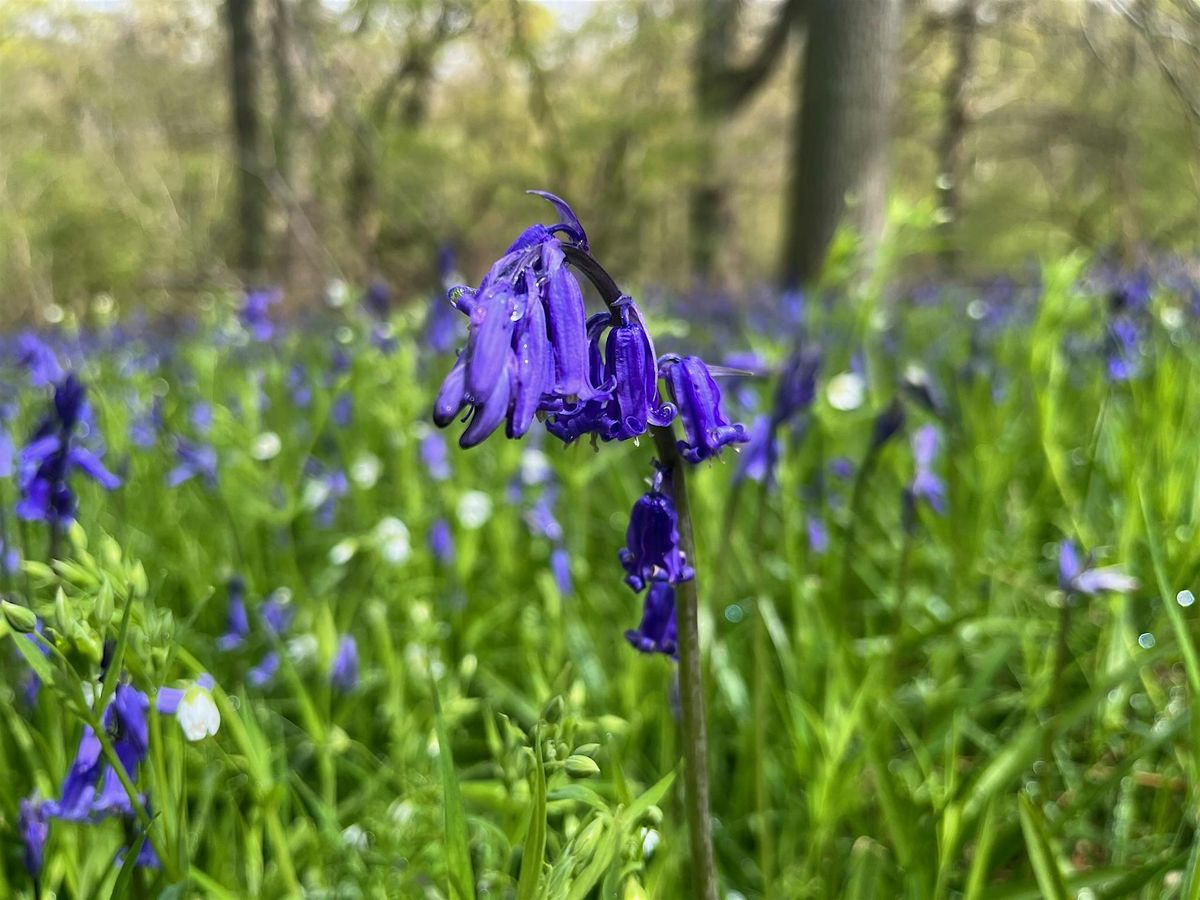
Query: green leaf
x=458, y=856
x=1041, y=855
x=534, y=854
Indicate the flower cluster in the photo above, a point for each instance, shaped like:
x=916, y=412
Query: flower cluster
x=53, y=453
x=93, y=790
x=532, y=350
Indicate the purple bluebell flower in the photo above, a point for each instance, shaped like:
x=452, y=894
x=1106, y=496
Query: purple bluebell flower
x=144, y=428
x=277, y=614
x=797, y=386
x=298, y=386
x=841, y=467
x=762, y=450
x=441, y=542
x=201, y=417
x=527, y=347
x=264, y=673
x=560, y=567
x=541, y=519
x=377, y=298
x=37, y=358
x=652, y=549
x=238, y=623
x=7, y=452
x=818, y=534
x=52, y=454
x=657, y=632
x=435, y=457
x=167, y=700
x=706, y=429
x=1076, y=576
x=926, y=486
x=1123, y=348
x=34, y=827
x=79, y=787
x=255, y=313
x=343, y=674
x=194, y=461
x=343, y=410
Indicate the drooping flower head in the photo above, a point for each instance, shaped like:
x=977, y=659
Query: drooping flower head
x=526, y=345
x=657, y=631
x=652, y=551
x=927, y=486
x=705, y=427
x=343, y=674
x=1082, y=577
x=35, y=829
x=53, y=453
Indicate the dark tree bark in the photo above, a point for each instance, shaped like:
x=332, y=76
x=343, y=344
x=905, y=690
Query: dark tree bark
x=843, y=128
x=252, y=194
x=284, y=130
x=721, y=89
x=955, y=122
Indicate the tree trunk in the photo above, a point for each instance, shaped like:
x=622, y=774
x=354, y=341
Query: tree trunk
x=251, y=189
x=953, y=135
x=282, y=63
x=708, y=202
x=842, y=135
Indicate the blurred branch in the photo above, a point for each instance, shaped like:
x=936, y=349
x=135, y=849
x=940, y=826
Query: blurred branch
x=727, y=86
x=1152, y=40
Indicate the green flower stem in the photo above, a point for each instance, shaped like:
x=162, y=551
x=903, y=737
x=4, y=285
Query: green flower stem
x=691, y=681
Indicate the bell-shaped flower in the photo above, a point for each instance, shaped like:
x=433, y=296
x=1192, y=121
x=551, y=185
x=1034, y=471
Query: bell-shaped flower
x=705, y=427
x=657, y=631
x=652, y=542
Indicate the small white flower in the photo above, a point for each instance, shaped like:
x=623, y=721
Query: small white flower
x=394, y=543
x=355, y=837
x=402, y=811
x=315, y=493
x=846, y=391
x=302, y=648
x=343, y=551
x=266, y=446
x=337, y=293
x=365, y=471
x=197, y=714
x=535, y=466
x=650, y=841
x=1172, y=318
x=474, y=509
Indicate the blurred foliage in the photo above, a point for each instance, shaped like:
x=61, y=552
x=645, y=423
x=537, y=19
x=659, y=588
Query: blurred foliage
x=117, y=168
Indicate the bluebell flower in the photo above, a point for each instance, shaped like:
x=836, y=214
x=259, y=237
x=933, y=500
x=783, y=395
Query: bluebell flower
x=441, y=542
x=527, y=349
x=705, y=427
x=263, y=674
x=238, y=623
x=34, y=827
x=560, y=567
x=52, y=454
x=255, y=313
x=343, y=674
x=377, y=298
x=343, y=410
x=541, y=519
x=926, y=486
x=194, y=461
x=434, y=456
x=37, y=358
x=657, y=632
x=144, y=428
x=201, y=417
x=818, y=534
x=1076, y=576
x=277, y=614
x=762, y=450
x=298, y=386
x=652, y=541
x=627, y=401
x=6, y=454
x=797, y=386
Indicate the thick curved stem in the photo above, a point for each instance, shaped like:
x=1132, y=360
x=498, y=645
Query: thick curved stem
x=691, y=681
x=687, y=621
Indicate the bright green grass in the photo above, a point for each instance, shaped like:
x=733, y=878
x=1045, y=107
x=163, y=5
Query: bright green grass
x=886, y=718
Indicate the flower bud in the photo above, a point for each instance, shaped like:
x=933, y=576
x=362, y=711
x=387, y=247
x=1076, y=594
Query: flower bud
x=19, y=618
x=581, y=766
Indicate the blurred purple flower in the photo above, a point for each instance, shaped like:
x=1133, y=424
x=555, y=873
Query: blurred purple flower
x=343, y=674
x=1081, y=577
x=657, y=632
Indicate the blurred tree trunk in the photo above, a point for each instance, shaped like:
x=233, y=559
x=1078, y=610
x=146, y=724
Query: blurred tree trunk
x=284, y=130
x=251, y=189
x=955, y=122
x=842, y=131
x=721, y=89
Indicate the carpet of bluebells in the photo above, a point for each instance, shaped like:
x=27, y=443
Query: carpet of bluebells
x=268, y=632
